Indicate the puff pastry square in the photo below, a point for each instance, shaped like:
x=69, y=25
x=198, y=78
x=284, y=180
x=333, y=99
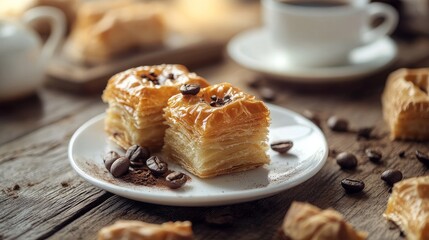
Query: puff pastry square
x=210, y=138
x=304, y=221
x=136, y=99
x=107, y=29
x=136, y=230
x=408, y=207
x=406, y=104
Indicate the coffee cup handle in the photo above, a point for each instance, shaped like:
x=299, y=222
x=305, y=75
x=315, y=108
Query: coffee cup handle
x=58, y=27
x=386, y=27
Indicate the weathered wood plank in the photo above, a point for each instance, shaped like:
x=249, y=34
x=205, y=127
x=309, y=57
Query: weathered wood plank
x=49, y=194
x=29, y=114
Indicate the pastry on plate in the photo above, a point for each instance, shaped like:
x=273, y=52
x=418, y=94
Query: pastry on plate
x=136, y=99
x=304, y=221
x=219, y=130
x=106, y=29
x=137, y=230
x=406, y=104
x=408, y=207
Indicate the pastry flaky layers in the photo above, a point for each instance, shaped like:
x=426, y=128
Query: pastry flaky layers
x=220, y=130
x=136, y=230
x=136, y=99
x=304, y=221
x=408, y=207
x=406, y=104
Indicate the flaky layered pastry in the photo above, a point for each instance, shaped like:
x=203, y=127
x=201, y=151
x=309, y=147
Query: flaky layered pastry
x=408, y=207
x=220, y=130
x=136, y=99
x=136, y=230
x=304, y=221
x=406, y=104
x=106, y=29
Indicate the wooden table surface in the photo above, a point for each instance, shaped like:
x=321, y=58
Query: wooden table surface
x=42, y=197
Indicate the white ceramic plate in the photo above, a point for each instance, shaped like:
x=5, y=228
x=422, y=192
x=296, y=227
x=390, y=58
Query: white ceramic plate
x=89, y=143
x=252, y=49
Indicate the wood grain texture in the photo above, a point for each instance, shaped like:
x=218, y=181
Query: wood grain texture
x=53, y=202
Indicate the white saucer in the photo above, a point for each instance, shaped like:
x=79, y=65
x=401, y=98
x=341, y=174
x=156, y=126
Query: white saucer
x=252, y=50
x=89, y=143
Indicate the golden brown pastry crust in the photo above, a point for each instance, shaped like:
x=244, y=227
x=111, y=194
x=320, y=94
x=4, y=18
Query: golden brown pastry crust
x=210, y=141
x=107, y=29
x=406, y=104
x=304, y=221
x=136, y=101
x=408, y=207
x=136, y=230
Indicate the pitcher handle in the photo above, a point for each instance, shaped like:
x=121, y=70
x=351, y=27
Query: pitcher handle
x=58, y=28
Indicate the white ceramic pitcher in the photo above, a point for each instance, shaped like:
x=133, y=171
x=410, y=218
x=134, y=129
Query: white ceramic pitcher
x=23, y=57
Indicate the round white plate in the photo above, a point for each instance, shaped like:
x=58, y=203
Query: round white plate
x=89, y=143
x=252, y=49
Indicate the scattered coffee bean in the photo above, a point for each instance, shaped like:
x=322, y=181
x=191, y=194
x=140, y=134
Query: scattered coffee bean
x=255, y=83
x=156, y=165
x=352, y=185
x=346, y=160
x=213, y=98
x=176, y=179
x=364, y=132
x=401, y=154
x=267, y=94
x=282, y=146
x=137, y=155
x=16, y=187
x=373, y=155
x=422, y=157
x=338, y=124
x=120, y=167
x=109, y=158
x=312, y=117
x=213, y=103
x=391, y=176
x=190, y=89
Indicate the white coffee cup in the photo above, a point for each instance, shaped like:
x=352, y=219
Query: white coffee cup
x=320, y=35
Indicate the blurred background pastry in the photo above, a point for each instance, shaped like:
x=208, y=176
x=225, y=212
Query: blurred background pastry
x=107, y=29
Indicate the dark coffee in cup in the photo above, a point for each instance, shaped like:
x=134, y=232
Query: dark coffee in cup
x=314, y=3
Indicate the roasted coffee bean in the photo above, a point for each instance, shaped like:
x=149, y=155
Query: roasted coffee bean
x=137, y=155
x=267, y=94
x=109, y=158
x=156, y=165
x=213, y=103
x=422, y=157
x=346, y=160
x=401, y=154
x=152, y=73
x=213, y=97
x=227, y=97
x=364, y=132
x=190, y=89
x=282, y=146
x=338, y=124
x=373, y=155
x=352, y=185
x=170, y=76
x=312, y=117
x=176, y=180
x=391, y=176
x=120, y=167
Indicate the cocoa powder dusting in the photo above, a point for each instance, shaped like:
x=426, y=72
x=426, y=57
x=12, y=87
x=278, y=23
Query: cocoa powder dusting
x=140, y=177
